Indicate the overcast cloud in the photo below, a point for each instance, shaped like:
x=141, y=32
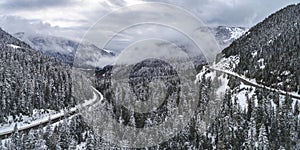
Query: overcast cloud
x=72, y=18
x=217, y=12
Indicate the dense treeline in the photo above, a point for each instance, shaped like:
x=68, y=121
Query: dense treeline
x=269, y=121
x=65, y=135
x=30, y=80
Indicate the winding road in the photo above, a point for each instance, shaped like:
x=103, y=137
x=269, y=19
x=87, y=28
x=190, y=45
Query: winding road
x=98, y=97
x=254, y=84
x=6, y=132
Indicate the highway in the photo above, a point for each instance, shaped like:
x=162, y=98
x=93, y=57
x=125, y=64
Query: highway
x=254, y=84
x=97, y=97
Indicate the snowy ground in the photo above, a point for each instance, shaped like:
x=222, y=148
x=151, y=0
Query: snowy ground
x=247, y=86
x=13, y=46
x=254, y=83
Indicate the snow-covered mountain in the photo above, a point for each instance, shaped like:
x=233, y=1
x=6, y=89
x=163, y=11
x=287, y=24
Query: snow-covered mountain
x=260, y=82
x=62, y=48
x=225, y=35
x=249, y=97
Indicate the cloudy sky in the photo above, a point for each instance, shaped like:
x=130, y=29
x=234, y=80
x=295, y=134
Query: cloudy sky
x=73, y=18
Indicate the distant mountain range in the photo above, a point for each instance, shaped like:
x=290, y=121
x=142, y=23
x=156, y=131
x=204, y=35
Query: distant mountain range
x=62, y=48
x=225, y=35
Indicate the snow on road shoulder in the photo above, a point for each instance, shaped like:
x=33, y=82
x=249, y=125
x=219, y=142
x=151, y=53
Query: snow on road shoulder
x=244, y=93
x=9, y=128
x=206, y=73
x=253, y=82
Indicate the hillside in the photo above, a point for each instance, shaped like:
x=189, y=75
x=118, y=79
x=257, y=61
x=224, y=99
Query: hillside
x=259, y=76
x=270, y=51
x=31, y=81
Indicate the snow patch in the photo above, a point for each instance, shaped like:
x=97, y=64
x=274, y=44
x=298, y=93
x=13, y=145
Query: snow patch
x=14, y=46
x=235, y=33
x=224, y=86
x=261, y=63
x=270, y=41
x=244, y=92
x=206, y=73
x=287, y=72
x=254, y=53
x=108, y=51
x=229, y=63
